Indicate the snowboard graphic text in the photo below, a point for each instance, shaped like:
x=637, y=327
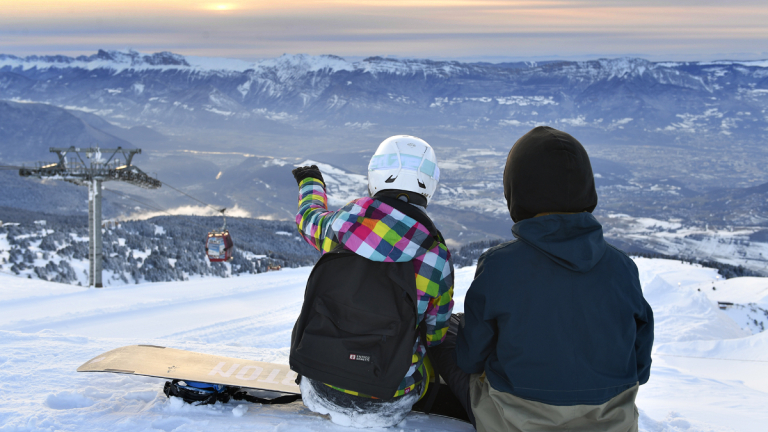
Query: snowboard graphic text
x=170, y=363
x=252, y=373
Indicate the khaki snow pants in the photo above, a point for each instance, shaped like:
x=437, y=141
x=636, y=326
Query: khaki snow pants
x=499, y=411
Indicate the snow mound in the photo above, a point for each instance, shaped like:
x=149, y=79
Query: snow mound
x=684, y=314
x=753, y=348
x=742, y=290
x=239, y=410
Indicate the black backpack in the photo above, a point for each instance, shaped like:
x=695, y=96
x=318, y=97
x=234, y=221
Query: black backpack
x=358, y=324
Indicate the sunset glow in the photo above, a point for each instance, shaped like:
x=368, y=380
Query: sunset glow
x=221, y=7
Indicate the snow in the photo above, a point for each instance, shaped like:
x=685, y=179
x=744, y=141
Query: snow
x=383, y=415
x=731, y=245
x=749, y=296
x=501, y=100
x=684, y=315
x=740, y=290
x=306, y=64
x=286, y=67
x=131, y=60
x=708, y=374
x=751, y=63
x=578, y=121
x=219, y=112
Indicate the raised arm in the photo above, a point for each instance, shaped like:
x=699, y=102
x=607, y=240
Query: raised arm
x=313, y=218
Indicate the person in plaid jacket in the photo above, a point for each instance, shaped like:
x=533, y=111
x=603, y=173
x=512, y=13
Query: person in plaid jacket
x=403, y=170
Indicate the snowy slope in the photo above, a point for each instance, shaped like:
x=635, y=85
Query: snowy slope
x=708, y=374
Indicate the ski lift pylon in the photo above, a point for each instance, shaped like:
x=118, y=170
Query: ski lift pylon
x=218, y=244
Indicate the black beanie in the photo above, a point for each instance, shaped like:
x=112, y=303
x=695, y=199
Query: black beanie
x=548, y=171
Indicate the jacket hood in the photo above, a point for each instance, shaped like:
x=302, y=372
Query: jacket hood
x=548, y=170
x=574, y=241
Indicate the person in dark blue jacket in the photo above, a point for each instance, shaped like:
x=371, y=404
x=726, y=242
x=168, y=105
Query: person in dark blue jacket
x=556, y=333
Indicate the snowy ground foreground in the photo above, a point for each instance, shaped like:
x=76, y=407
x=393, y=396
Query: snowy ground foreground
x=708, y=373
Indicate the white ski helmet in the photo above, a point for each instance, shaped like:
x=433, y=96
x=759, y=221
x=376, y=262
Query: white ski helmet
x=406, y=163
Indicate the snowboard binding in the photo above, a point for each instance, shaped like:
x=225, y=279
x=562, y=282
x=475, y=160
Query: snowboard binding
x=197, y=393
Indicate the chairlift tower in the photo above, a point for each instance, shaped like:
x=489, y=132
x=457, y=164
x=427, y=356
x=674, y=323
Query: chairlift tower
x=92, y=173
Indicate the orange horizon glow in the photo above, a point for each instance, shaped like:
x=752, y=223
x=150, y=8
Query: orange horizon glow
x=221, y=7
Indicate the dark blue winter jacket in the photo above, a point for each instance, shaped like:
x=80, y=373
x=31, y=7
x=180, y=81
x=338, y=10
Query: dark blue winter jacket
x=557, y=315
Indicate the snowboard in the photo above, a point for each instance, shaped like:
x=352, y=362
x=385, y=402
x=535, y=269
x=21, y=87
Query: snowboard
x=175, y=364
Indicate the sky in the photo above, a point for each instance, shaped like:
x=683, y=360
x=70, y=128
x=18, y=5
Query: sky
x=470, y=30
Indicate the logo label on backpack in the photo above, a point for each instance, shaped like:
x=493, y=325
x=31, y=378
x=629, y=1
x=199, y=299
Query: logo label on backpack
x=360, y=357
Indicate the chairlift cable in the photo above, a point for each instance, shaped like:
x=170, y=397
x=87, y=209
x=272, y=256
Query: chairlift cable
x=220, y=210
x=218, y=244
x=138, y=201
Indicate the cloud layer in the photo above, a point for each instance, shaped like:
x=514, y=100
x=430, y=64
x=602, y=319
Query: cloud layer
x=674, y=29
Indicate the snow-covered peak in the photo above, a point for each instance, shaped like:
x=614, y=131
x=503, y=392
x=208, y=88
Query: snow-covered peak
x=621, y=67
x=377, y=65
x=624, y=67
x=292, y=66
x=134, y=58
x=305, y=63
x=286, y=67
x=113, y=59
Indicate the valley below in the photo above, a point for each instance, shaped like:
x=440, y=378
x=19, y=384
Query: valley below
x=678, y=149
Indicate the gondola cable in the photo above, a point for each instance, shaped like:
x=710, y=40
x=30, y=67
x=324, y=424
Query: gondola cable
x=221, y=210
x=125, y=195
x=218, y=244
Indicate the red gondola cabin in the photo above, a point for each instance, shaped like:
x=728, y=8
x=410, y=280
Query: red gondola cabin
x=219, y=246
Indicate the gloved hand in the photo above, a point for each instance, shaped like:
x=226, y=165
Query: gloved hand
x=301, y=173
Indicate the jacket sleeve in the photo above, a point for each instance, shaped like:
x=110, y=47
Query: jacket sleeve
x=477, y=334
x=440, y=308
x=644, y=342
x=643, y=327
x=313, y=219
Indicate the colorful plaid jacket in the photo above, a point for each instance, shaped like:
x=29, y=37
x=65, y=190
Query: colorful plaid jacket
x=376, y=231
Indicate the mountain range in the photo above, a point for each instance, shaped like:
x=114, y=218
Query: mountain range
x=613, y=99
x=680, y=141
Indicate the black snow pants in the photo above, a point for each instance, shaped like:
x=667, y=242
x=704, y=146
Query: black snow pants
x=443, y=359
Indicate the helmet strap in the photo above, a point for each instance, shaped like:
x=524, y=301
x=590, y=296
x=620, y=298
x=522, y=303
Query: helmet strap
x=410, y=197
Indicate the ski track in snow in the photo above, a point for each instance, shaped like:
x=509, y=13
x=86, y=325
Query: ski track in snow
x=708, y=373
